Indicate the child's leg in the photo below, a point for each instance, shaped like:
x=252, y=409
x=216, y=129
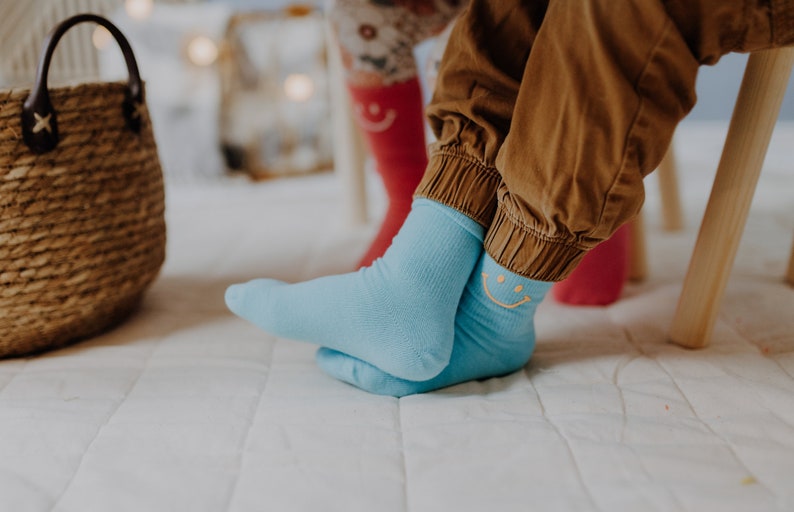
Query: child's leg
x=602, y=90
x=377, y=40
x=390, y=118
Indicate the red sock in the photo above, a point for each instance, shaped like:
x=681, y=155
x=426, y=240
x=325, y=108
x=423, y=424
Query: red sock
x=392, y=121
x=599, y=278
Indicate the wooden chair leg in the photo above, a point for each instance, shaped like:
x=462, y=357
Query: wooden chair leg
x=349, y=152
x=754, y=116
x=672, y=213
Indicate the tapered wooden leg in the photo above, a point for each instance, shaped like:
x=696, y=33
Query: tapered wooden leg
x=672, y=213
x=754, y=116
x=638, y=255
x=349, y=151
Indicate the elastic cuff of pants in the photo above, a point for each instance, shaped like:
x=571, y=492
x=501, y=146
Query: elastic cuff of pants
x=527, y=253
x=783, y=22
x=455, y=179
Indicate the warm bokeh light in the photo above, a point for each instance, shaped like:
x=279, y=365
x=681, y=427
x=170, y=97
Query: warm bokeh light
x=202, y=51
x=101, y=37
x=298, y=87
x=139, y=9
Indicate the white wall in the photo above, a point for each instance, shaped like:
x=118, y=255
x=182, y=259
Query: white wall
x=718, y=86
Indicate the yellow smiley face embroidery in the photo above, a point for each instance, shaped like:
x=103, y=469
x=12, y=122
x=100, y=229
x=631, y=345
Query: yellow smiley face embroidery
x=501, y=279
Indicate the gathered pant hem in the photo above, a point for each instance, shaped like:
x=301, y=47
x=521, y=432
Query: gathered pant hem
x=528, y=252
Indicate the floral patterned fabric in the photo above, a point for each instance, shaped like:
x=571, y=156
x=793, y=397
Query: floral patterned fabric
x=377, y=37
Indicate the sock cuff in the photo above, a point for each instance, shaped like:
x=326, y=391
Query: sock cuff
x=461, y=219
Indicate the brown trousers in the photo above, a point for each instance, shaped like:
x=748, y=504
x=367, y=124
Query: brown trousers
x=549, y=113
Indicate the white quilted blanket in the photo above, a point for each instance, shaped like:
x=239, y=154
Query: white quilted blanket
x=187, y=408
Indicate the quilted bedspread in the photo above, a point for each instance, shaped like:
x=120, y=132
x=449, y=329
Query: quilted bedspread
x=187, y=408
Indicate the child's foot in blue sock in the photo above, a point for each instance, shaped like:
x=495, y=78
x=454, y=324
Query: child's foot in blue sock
x=397, y=314
x=494, y=335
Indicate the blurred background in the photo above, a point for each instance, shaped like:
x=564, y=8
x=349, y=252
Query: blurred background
x=234, y=86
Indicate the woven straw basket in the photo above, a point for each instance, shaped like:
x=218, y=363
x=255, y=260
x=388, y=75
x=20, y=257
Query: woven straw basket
x=82, y=229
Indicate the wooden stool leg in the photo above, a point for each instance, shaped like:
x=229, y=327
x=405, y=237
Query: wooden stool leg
x=754, y=116
x=672, y=213
x=349, y=152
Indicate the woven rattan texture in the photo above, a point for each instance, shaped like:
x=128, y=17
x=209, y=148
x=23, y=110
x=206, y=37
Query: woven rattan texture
x=82, y=229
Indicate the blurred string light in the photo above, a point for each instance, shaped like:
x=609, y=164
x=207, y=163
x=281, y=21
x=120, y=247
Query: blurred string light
x=298, y=87
x=101, y=37
x=202, y=51
x=139, y=9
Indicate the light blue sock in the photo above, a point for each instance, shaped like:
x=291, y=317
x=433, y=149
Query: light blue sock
x=494, y=335
x=397, y=314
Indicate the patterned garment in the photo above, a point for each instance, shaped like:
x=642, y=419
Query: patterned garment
x=377, y=37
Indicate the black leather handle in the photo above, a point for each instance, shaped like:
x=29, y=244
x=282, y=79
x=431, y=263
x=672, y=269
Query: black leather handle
x=39, y=120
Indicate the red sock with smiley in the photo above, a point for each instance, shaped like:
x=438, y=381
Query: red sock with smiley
x=391, y=119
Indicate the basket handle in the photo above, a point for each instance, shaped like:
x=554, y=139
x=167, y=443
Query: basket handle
x=39, y=123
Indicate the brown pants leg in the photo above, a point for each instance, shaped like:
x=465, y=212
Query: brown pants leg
x=550, y=114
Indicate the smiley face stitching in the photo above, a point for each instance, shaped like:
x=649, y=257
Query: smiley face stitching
x=501, y=279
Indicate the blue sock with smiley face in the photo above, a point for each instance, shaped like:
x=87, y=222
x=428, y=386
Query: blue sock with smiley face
x=494, y=336
x=397, y=314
